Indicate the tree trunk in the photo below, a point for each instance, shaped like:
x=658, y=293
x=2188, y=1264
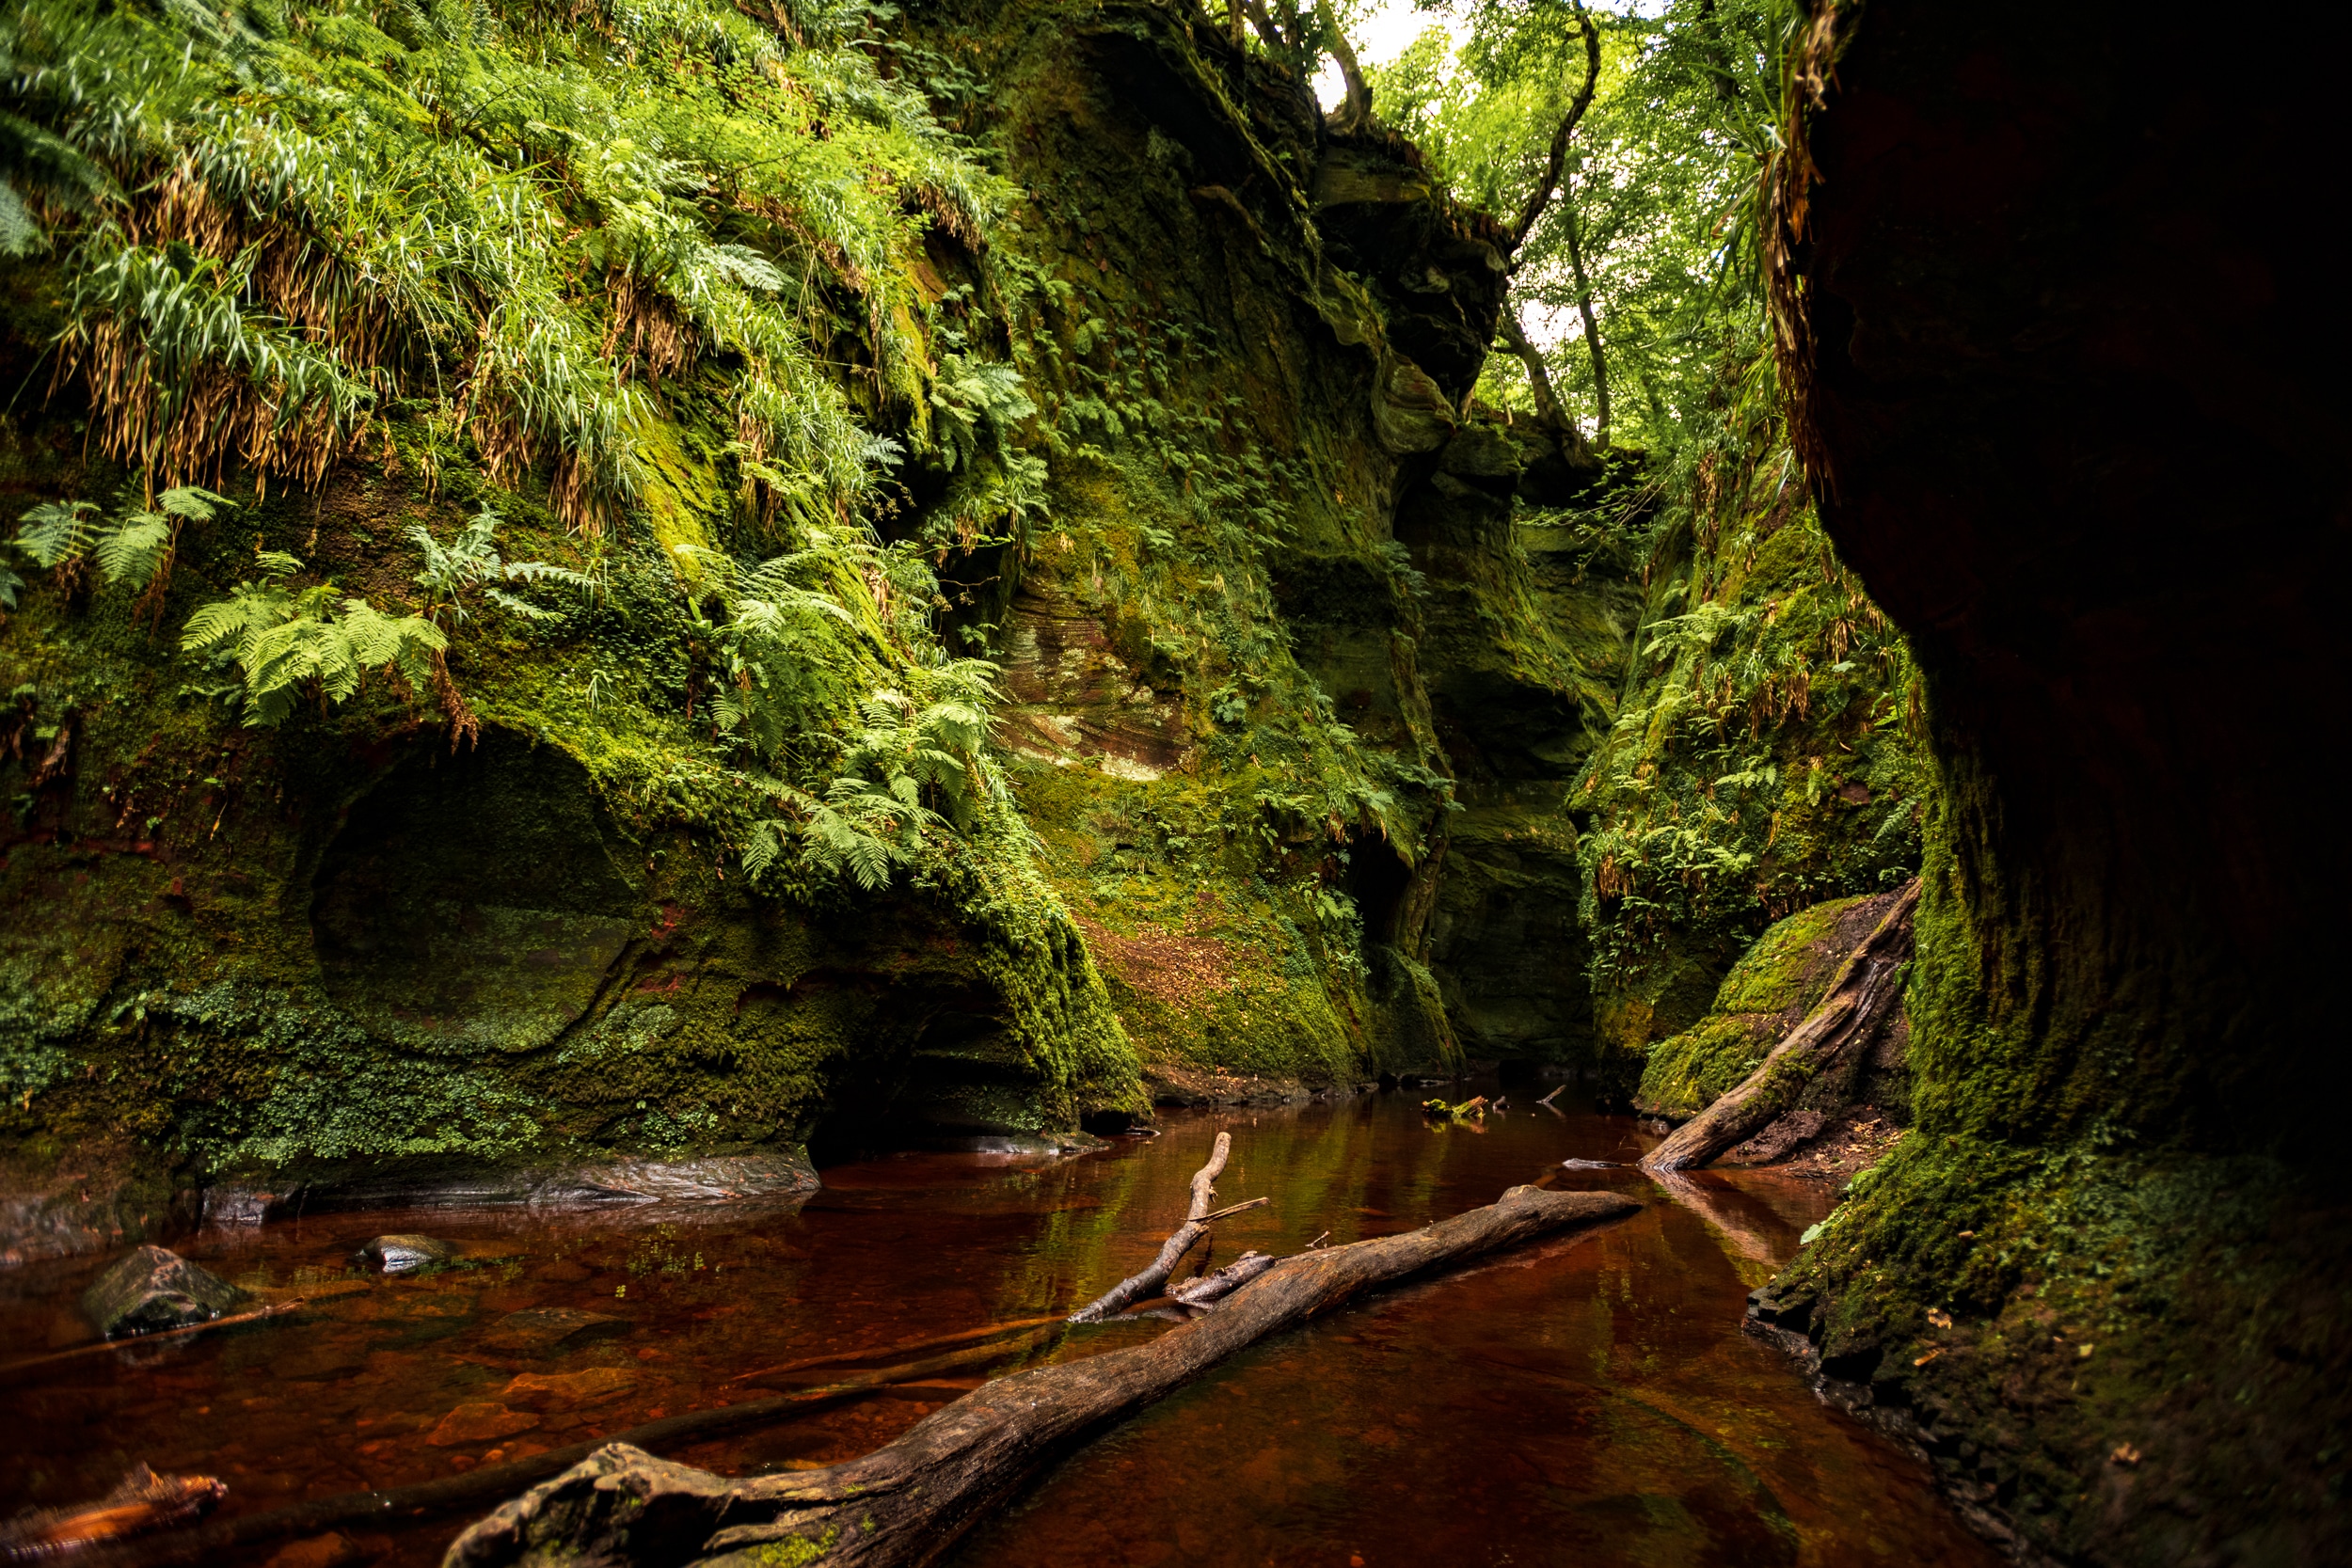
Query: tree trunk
x=907, y=1503
x=1354, y=115
x=1539, y=376
x=1868, y=987
x=1556, y=159
x=1592, y=330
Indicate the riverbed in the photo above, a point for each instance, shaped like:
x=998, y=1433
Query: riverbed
x=1590, y=1399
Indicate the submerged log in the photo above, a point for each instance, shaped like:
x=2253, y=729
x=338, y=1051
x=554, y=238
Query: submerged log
x=907, y=1502
x=1866, y=988
x=475, y=1487
x=144, y=1501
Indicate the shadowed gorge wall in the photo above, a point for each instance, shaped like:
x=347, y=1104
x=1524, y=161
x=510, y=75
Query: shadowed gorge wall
x=2076, y=382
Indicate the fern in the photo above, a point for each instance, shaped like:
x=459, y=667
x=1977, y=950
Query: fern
x=283, y=643
x=452, y=573
x=58, y=533
x=134, y=548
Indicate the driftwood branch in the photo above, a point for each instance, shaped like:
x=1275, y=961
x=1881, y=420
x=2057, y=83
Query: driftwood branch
x=1136, y=1287
x=906, y=1503
x=1219, y=1283
x=1868, y=987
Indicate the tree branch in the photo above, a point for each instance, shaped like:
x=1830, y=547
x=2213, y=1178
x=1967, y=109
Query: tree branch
x=1539, y=376
x=1355, y=113
x=1541, y=197
x=1136, y=1287
x=1866, y=988
x=1592, y=328
x=1266, y=29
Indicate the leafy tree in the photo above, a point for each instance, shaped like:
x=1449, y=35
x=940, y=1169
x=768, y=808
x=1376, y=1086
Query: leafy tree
x=1643, y=240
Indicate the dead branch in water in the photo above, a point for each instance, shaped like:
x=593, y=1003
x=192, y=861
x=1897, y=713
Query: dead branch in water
x=907, y=1502
x=1869, y=986
x=142, y=1340
x=1136, y=1287
x=987, y=1331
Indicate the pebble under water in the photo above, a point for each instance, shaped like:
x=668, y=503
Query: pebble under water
x=1589, y=1400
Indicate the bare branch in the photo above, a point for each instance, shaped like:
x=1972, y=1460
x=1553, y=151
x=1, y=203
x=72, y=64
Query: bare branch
x=1541, y=197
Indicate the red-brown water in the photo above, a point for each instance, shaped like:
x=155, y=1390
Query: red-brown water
x=1586, y=1399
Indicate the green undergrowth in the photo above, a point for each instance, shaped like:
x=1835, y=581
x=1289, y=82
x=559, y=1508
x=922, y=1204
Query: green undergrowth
x=1766, y=752
x=557, y=381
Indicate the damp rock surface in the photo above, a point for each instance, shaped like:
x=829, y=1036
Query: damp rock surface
x=405, y=1253
x=155, y=1289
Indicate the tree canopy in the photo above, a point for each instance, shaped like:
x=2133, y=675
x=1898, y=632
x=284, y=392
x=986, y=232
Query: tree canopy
x=1644, y=247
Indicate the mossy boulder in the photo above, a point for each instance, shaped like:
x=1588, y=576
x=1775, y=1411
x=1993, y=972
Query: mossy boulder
x=1769, y=992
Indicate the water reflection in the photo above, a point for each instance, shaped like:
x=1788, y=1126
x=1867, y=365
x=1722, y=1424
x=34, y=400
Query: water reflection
x=1589, y=1399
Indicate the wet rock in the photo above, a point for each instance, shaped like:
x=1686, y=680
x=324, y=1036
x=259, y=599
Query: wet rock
x=332, y=1550
x=1025, y=1144
x=657, y=1186
x=542, y=1329
x=481, y=1422
x=155, y=1289
x=567, y=1391
x=405, y=1253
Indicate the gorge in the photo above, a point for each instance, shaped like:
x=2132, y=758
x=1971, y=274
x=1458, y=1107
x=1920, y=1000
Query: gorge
x=676, y=608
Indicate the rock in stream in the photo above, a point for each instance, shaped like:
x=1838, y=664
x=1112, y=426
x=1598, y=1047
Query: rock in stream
x=156, y=1289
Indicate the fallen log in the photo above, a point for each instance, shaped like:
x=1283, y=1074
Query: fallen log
x=907, y=1502
x=1868, y=987
x=475, y=1487
x=143, y=1340
x=1136, y=1287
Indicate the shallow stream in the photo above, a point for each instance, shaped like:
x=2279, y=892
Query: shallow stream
x=1586, y=1400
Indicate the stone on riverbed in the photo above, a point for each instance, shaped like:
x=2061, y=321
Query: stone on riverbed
x=542, y=1329
x=566, y=1390
x=155, y=1289
x=480, y=1422
x=405, y=1253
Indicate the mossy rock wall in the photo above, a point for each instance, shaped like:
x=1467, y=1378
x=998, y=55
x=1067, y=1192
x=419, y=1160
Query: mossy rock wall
x=1274, y=631
x=1253, y=620
x=2126, y=1002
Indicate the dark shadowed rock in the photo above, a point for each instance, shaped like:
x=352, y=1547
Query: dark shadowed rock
x=542, y=1329
x=155, y=1289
